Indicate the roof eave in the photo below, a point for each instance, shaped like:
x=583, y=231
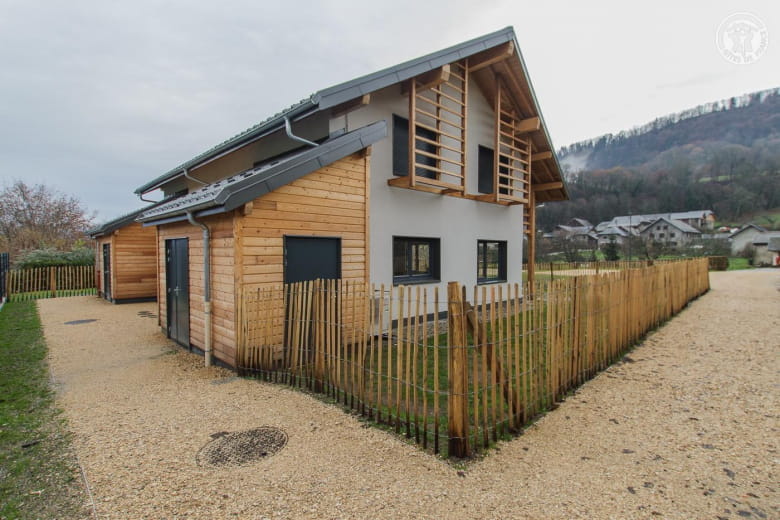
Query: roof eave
x=273, y=124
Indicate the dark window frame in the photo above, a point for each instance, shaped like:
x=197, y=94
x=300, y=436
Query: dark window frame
x=482, y=262
x=408, y=275
x=401, y=149
x=486, y=158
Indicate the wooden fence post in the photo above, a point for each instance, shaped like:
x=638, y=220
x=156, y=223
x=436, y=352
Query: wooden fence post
x=458, y=401
x=53, y=281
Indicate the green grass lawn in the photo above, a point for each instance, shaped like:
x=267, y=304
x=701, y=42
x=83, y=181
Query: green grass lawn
x=735, y=264
x=38, y=474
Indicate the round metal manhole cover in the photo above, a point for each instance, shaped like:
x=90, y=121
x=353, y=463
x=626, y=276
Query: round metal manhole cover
x=240, y=448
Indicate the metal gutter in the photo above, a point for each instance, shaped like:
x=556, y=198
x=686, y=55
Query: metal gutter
x=206, y=286
x=271, y=125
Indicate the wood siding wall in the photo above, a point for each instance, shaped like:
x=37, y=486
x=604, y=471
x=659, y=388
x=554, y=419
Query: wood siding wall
x=331, y=202
x=222, y=283
x=248, y=248
x=134, y=262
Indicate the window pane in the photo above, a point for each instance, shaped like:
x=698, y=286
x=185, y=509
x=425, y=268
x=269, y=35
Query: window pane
x=399, y=257
x=491, y=261
x=415, y=259
x=421, y=259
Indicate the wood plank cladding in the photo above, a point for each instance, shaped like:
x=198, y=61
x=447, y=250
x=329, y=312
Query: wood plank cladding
x=247, y=246
x=133, y=262
x=330, y=202
x=223, y=286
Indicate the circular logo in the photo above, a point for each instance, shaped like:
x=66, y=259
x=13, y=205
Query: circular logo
x=742, y=38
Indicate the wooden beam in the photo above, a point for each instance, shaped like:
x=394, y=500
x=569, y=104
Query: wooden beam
x=531, y=242
x=429, y=79
x=492, y=56
x=532, y=124
x=541, y=156
x=548, y=186
x=434, y=78
x=352, y=104
x=399, y=182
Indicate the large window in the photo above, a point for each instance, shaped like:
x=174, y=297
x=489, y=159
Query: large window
x=415, y=260
x=401, y=149
x=491, y=261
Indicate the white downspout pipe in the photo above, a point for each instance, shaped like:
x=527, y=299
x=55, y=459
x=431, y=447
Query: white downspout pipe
x=206, y=286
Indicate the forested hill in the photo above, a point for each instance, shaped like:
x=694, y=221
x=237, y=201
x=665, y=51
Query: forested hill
x=723, y=156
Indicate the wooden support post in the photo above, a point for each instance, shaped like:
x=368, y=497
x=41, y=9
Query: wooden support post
x=53, y=281
x=531, y=238
x=458, y=402
x=412, y=131
x=497, y=144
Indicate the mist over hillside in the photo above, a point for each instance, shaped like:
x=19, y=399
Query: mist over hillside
x=723, y=156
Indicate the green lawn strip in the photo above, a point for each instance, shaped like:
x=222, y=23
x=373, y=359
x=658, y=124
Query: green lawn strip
x=38, y=474
x=736, y=264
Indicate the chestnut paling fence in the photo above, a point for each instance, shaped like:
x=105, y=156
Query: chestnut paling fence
x=50, y=282
x=456, y=370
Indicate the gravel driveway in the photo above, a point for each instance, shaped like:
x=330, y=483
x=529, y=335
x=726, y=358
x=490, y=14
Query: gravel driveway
x=686, y=428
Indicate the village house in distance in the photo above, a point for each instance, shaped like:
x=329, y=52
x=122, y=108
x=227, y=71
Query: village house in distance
x=670, y=229
x=422, y=173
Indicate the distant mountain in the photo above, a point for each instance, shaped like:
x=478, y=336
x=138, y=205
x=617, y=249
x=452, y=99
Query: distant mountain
x=723, y=156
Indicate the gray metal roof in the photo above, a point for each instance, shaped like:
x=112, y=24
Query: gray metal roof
x=613, y=230
x=764, y=238
x=746, y=227
x=232, y=192
x=121, y=221
x=682, y=226
x=355, y=88
x=635, y=220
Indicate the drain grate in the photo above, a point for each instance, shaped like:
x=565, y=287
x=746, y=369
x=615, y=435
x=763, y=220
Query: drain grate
x=79, y=322
x=146, y=314
x=240, y=448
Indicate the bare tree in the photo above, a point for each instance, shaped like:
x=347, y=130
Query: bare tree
x=35, y=217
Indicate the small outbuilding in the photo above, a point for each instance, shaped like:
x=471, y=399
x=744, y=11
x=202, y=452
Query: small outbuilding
x=766, y=249
x=125, y=259
x=743, y=237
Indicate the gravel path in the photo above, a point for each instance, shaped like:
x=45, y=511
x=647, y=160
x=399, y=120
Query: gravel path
x=686, y=428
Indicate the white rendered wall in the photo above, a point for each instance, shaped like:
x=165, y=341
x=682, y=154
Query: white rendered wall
x=457, y=222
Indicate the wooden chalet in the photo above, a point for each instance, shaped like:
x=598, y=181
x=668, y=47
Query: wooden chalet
x=421, y=173
x=125, y=260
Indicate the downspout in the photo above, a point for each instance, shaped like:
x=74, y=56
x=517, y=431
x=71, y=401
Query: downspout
x=206, y=286
x=141, y=196
x=186, y=172
x=288, y=130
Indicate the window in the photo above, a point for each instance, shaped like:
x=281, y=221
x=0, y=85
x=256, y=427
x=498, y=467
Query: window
x=485, y=162
x=671, y=235
x=401, y=149
x=491, y=261
x=415, y=260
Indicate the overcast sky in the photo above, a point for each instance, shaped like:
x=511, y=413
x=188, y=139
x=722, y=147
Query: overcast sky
x=98, y=97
